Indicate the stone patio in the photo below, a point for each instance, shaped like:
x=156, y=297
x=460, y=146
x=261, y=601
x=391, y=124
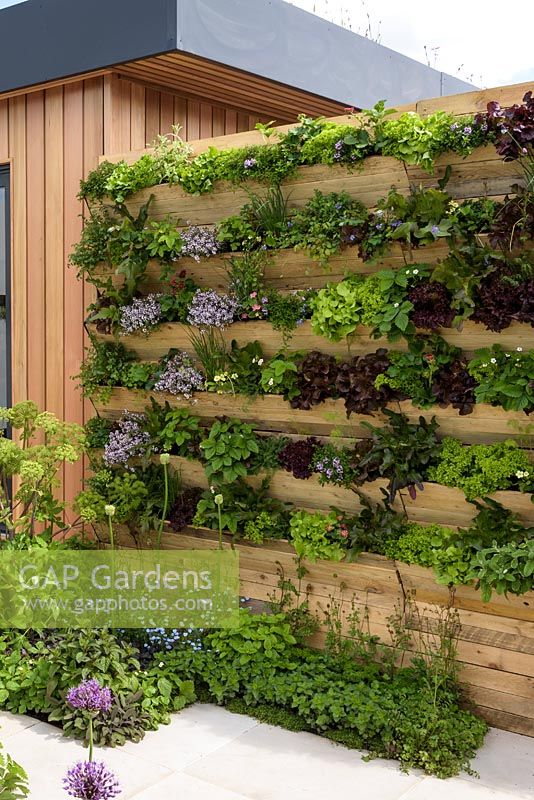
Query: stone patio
x=207, y=753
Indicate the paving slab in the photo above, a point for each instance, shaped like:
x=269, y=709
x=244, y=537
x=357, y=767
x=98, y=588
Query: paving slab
x=186, y=787
x=268, y=763
x=46, y=755
x=194, y=733
x=456, y=789
x=11, y=724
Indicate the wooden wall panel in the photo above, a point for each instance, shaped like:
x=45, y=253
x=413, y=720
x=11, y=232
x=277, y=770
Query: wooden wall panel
x=52, y=138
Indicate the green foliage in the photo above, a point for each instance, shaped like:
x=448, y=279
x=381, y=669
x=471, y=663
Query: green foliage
x=481, y=469
x=418, y=544
x=378, y=301
x=504, y=378
x=13, y=779
x=419, y=140
x=180, y=431
x=241, y=504
x=40, y=446
x=317, y=228
x=108, y=364
x=126, y=179
x=504, y=568
x=375, y=528
x=94, y=187
x=321, y=149
x=403, y=452
x=279, y=376
x=97, y=431
x=263, y=527
x=287, y=311
x=125, y=491
x=411, y=714
x=412, y=373
x=318, y=535
x=227, y=449
x=92, y=248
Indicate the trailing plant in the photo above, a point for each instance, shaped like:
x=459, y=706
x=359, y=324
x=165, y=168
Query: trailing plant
x=481, y=469
x=107, y=365
x=97, y=430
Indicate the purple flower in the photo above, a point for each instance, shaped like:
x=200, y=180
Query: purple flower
x=211, y=309
x=142, y=315
x=198, y=242
x=248, y=163
x=179, y=377
x=467, y=130
x=127, y=440
x=91, y=780
x=435, y=229
x=454, y=126
x=90, y=696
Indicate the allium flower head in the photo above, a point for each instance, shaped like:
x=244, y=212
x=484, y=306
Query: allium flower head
x=91, y=780
x=211, y=309
x=90, y=696
x=142, y=315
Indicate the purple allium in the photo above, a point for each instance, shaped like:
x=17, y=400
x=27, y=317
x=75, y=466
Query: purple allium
x=179, y=377
x=248, y=163
x=127, y=440
x=142, y=315
x=90, y=696
x=91, y=780
x=199, y=242
x=211, y=309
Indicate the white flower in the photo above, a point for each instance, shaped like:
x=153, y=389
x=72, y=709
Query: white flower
x=493, y=360
x=395, y=305
x=271, y=381
x=234, y=376
x=216, y=378
x=484, y=364
x=416, y=272
x=260, y=362
x=161, y=664
x=519, y=349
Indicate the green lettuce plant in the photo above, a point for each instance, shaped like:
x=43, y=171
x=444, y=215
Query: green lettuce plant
x=481, y=469
x=318, y=535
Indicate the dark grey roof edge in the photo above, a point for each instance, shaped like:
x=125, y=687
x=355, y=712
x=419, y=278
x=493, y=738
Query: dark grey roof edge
x=44, y=40
x=277, y=40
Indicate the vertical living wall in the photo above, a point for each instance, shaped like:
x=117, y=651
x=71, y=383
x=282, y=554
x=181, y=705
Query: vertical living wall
x=405, y=292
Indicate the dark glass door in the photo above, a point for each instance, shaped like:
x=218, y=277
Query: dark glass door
x=5, y=271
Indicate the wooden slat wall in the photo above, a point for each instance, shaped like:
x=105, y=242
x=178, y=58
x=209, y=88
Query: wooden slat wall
x=52, y=138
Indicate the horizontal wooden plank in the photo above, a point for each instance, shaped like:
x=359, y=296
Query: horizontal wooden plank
x=481, y=174
x=271, y=412
x=472, y=337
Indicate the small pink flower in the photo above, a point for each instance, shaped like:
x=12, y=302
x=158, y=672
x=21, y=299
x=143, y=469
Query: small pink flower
x=253, y=294
x=256, y=308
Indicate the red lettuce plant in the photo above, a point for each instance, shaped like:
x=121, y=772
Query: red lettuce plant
x=431, y=305
x=315, y=380
x=297, y=457
x=355, y=383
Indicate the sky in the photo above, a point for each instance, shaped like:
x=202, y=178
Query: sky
x=486, y=42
